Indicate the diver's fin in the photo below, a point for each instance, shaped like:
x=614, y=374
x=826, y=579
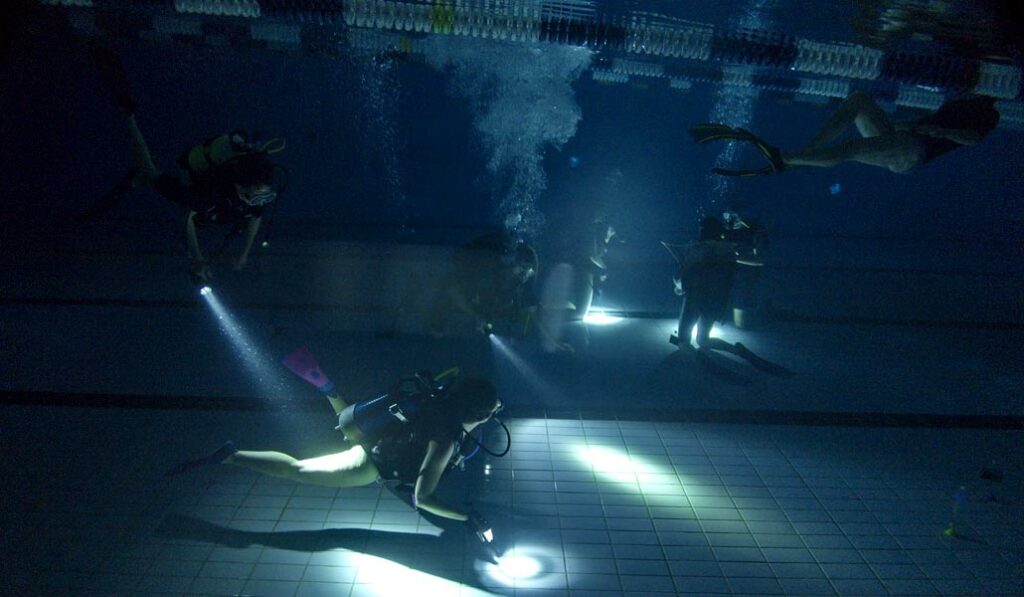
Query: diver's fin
x=771, y=153
x=112, y=197
x=744, y=173
x=114, y=78
x=759, y=363
x=216, y=457
x=703, y=133
x=302, y=363
x=710, y=131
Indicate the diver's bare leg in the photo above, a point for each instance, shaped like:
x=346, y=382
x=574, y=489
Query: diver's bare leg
x=897, y=152
x=859, y=109
x=351, y=468
x=703, y=332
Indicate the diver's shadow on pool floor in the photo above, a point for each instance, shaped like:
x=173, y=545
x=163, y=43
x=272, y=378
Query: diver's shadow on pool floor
x=406, y=549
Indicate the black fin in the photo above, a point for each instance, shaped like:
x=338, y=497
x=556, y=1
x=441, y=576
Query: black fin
x=114, y=78
x=710, y=131
x=703, y=133
x=110, y=200
x=759, y=363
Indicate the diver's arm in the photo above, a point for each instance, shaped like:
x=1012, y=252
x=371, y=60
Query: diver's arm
x=961, y=136
x=690, y=259
x=252, y=227
x=463, y=304
x=193, y=241
x=460, y=301
x=434, y=464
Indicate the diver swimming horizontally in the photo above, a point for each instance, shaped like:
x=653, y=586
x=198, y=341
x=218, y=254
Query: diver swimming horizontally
x=896, y=146
x=231, y=178
x=409, y=436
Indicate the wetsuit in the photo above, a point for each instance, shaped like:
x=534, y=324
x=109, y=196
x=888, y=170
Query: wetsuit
x=750, y=244
x=706, y=274
x=398, y=457
x=212, y=196
x=483, y=279
x=977, y=114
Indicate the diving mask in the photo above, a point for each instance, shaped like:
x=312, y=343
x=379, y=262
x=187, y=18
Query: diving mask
x=256, y=195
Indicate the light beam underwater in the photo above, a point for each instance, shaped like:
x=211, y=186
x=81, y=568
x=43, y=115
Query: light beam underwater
x=525, y=371
x=261, y=369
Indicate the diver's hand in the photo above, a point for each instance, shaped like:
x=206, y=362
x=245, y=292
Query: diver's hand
x=678, y=287
x=483, y=326
x=479, y=526
x=935, y=132
x=201, y=271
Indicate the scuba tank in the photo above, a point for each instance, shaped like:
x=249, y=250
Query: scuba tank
x=200, y=159
x=394, y=418
x=393, y=413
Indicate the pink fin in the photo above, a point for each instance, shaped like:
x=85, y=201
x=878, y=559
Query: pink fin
x=302, y=363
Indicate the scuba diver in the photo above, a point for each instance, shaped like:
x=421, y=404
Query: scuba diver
x=572, y=283
x=704, y=279
x=896, y=146
x=231, y=179
x=963, y=28
x=593, y=270
x=409, y=437
x=491, y=283
x=751, y=239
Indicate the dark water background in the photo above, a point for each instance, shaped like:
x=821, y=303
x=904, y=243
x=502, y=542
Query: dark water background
x=382, y=151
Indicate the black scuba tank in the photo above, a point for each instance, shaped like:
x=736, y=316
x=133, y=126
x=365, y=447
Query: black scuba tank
x=393, y=413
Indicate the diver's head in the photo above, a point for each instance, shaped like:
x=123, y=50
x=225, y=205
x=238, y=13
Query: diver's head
x=524, y=263
x=473, y=400
x=711, y=229
x=254, y=179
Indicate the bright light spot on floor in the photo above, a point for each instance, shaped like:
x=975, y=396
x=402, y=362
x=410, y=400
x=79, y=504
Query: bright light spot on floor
x=525, y=562
x=612, y=464
x=519, y=566
x=600, y=318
